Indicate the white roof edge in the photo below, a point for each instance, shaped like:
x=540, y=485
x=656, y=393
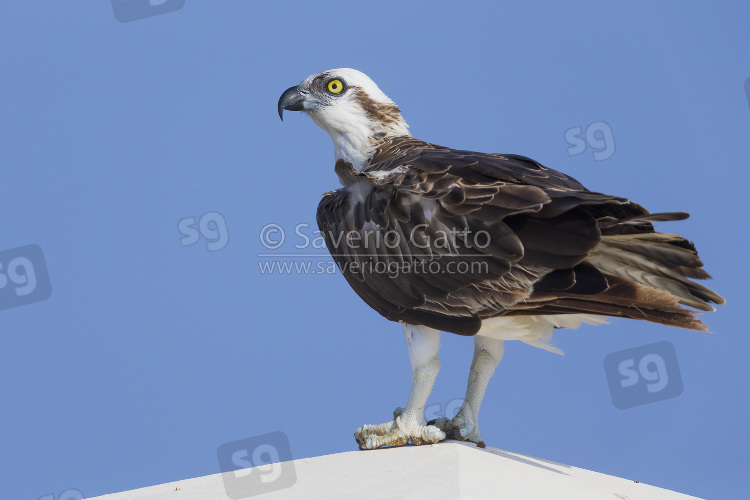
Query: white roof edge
x=446, y=470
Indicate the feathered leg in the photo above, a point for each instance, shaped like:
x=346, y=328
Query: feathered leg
x=409, y=423
x=465, y=425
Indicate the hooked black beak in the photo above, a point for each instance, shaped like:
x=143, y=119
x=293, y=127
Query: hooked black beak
x=292, y=99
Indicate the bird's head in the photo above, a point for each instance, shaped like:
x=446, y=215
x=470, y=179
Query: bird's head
x=348, y=105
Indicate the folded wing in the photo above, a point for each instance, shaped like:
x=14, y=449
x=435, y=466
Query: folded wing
x=447, y=238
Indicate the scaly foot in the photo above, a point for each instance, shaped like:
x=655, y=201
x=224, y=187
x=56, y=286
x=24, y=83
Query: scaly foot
x=397, y=432
x=463, y=427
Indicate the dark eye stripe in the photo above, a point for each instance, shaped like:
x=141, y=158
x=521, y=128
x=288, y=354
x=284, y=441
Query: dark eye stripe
x=318, y=83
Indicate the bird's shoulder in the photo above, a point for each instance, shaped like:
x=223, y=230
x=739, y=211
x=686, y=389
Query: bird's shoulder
x=487, y=186
x=415, y=160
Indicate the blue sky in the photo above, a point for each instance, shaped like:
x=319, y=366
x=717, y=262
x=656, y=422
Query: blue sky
x=153, y=350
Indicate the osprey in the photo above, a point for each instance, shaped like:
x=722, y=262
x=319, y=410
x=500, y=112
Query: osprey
x=492, y=246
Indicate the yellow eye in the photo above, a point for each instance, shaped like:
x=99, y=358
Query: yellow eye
x=335, y=86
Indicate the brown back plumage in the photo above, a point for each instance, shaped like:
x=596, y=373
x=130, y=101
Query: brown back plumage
x=550, y=246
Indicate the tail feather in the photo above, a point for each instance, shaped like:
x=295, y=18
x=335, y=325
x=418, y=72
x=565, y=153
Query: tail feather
x=643, y=274
x=643, y=219
x=662, y=261
x=623, y=298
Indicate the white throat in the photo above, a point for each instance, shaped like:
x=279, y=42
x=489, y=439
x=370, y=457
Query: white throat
x=357, y=140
